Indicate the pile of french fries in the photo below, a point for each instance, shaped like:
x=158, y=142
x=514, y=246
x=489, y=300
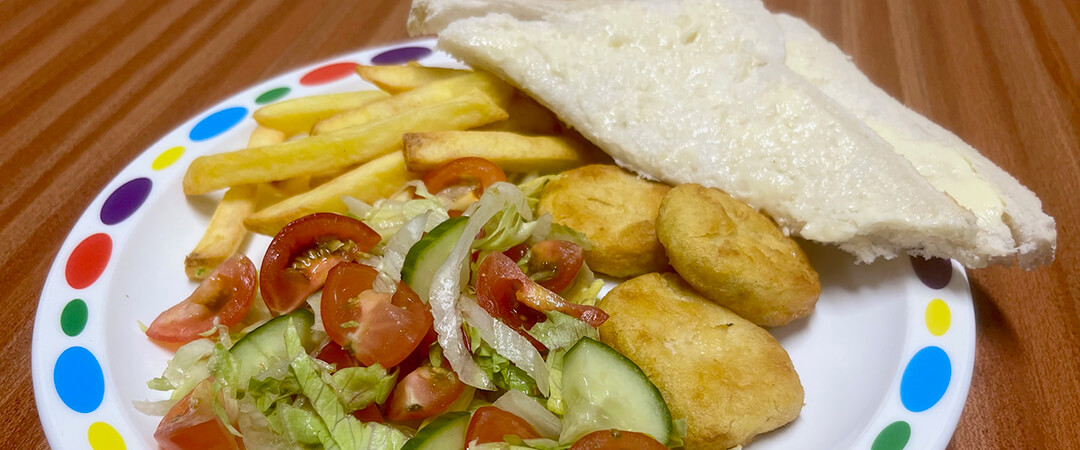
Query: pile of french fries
x=307, y=153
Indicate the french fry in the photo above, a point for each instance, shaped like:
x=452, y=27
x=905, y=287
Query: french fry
x=526, y=116
x=263, y=136
x=426, y=95
x=398, y=79
x=318, y=154
x=512, y=152
x=225, y=233
x=369, y=182
x=298, y=115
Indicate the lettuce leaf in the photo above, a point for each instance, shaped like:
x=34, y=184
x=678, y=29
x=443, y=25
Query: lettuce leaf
x=358, y=387
x=185, y=370
x=555, y=401
x=561, y=330
x=387, y=215
x=500, y=370
x=344, y=430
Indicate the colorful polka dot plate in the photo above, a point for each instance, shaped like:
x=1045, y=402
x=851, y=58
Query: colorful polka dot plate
x=886, y=358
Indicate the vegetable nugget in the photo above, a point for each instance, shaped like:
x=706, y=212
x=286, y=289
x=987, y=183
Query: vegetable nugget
x=616, y=210
x=736, y=256
x=727, y=377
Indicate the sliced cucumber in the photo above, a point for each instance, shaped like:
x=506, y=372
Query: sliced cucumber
x=445, y=432
x=265, y=346
x=425, y=257
x=605, y=390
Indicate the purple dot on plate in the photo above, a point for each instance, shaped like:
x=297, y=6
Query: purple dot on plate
x=935, y=273
x=125, y=200
x=400, y=55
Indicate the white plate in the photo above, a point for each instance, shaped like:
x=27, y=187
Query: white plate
x=885, y=359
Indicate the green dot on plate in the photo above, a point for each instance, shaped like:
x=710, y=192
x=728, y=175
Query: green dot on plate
x=893, y=437
x=272, y=95
x=73, y=318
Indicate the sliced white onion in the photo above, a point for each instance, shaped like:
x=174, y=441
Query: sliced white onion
x=446, y=285
x=153, y=408
x=394, y=253
x=506, y=341
x=525, y=407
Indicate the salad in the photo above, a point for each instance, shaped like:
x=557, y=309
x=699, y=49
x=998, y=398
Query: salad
x=449, y=315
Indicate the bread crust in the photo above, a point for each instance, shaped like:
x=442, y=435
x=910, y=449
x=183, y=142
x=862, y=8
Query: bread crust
x=729, y=378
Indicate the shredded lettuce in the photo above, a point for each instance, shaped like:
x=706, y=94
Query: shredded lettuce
x=678, y=433
x=185, y=370
x=397, y=247
x=344, y=430
x=533, y=187
x=266, y=392
x=564, y=233
x=505, y=375
x=387, y=215
x=510, y=226
x=358, y=387
x=554, y=363
x=561, y=330
x=585, y=289
x=506, y=341
x=302, y=426
x=446, y=284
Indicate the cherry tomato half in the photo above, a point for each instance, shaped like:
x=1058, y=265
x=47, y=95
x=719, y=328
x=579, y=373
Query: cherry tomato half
x=225, y=295
x=192, y=424
x=425, y=392
x=560, y=258
x=491, y=424
x=284, y=288
x=464, y=170
x=500, y=281
x=335, y=354
x=369, y=414
x=617, y=440
x=377, y=328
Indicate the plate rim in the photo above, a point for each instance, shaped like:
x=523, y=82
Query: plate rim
x=42, y=367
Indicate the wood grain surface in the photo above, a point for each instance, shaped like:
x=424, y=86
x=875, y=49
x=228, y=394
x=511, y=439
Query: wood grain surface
x=88, y=85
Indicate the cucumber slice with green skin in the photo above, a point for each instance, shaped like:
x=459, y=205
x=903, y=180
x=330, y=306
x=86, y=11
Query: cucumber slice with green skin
x=265, y=345
x=445, y=432
x=605, y=390
x=429, y=253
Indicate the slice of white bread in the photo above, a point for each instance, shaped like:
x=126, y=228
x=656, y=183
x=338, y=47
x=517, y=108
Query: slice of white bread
x=703, y=97
x=1010, y=216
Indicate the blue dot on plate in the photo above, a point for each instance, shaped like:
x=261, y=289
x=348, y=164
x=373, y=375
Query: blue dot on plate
x=78, y=380
x=400, y=55
x=217, y=123
x=125, y=200
x=925, y=379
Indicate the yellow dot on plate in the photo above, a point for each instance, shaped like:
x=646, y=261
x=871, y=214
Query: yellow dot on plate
x=938, y=317
x=104, y=437
x=167, y=158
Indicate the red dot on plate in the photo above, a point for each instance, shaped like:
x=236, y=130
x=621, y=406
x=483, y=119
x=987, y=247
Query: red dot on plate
x=328, y=73
x=88, y=260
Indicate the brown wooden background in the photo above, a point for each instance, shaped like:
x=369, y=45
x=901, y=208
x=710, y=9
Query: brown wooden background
x=86, y=86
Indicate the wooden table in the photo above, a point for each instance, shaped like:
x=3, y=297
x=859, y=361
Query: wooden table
x=87, y=86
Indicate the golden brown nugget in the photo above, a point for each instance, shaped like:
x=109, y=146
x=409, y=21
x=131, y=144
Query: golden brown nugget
x=727, y=377
x=736, y=256
x=616, y=210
